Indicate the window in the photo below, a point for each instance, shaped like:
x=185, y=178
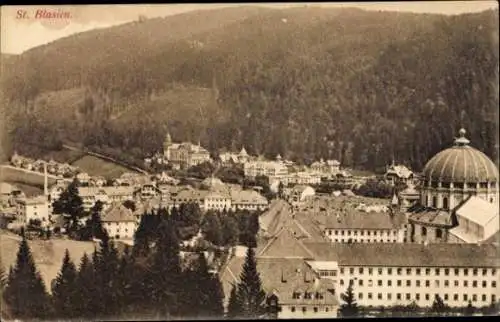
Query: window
x=341, y=270
x=437, y=283
x=446, y=297
x=493, y=298
x=399, y=271
x=408, y=296
x=424, y=231
x=307, y=295
x=427, y=297
x=474, y=297
x=474, y=283
x=465, y=297
x=417, y=283
x=493, y=284
x=484, y=283
x=351, y=271
x=375, y=233
x=326, y=309
x=389, y=283
x=362, y=233
x=408, y=283
x=348, y=233
x=361, y=270
x=427, y=283
x=466, y=272
x=455, y=283
x=360, y=282
x=380, y=271
x=370, y=271
x=455, y=297
x=446, y=271
x=445, y=206
x=417, y=271
x=379, y=282
x=399, y=283
x=368, y=233
x=315, y=310
x=296, y=295
x=292, y=309
x=437, y=271
x=456, y=271
x=319, y=296
x=370, y=283
x=446, y=283
x=417, y=296
x=483, y=298
x=379, y=296
x=389, y=296
x=427, y=271
x=493, y=271
x=370, y=295
x=474, y=272
x=398, y=296
x=466, y=283
x=360, y=296
x=408, y=271
x=389, y=271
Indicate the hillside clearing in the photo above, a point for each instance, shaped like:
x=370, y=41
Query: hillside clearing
x=97, y=167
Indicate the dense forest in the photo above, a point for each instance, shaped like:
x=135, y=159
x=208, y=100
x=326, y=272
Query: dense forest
x=362, y=87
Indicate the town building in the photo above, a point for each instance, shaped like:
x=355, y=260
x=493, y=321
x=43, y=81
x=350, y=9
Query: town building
x=248, y=200
x=398, y=173
x=9, y=194
x=450, y=178
x=234, y=158
x=184, y=155
x=33, y=209
x=106, y=195
x=119, y=222
x=302, y=178
x=327, y=168
x=297, y=195
x=274, y=170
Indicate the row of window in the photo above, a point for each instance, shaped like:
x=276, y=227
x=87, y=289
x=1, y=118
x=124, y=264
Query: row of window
x=304, y=309
x=362, y=232
x=446, y=297
x=419, y=271
x=308, y=295
x=437, y=283
x=347, y=240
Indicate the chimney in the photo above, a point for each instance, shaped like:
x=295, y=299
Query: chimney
x=283, y=279
x=45, y=180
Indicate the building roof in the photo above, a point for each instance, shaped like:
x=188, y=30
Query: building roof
x=461, y=164
x=285, y=244
x=362, y=220
x=399, y=170
x=7, y=188
x=426, y=215
x=118, y=213
x=110, y=191
x=33, y=201
x=478, y=210
x=407, y=254
x=248, y=197
x=283, y=277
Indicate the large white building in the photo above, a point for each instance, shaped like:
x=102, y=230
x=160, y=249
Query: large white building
x=106, y=195
x=119, y=222
x=184, y=155
x=274, y=170
x=33, y=209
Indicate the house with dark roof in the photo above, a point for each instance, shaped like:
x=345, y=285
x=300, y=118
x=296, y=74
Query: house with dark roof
x=119, y=222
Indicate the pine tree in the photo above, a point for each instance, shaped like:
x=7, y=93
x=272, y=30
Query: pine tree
x=164, y=281
x=233, y=308
x=63, y=290
x=438, y=306
x=142, y=237
x=86, y=297
x=25, y=293
x=350, y=307
x=70, y=204
x=95, y=219
x=250, y=295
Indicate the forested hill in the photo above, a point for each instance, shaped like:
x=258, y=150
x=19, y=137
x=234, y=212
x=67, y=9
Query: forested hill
x=359, y=86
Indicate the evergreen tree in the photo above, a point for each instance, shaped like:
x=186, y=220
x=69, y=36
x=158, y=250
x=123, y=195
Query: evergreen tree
x=105, y=269
x=349, y=308
x=233, y=308
x=250, y=296
x=469, y=309
x=438, y=306
x=63, y=290
x=203, y=288
x=165, y=278
x=95, y=219
x=25, y=293
x=70, y=204
x=86, y=297
x=142, y=237
x=230, y=230
x=211, y=228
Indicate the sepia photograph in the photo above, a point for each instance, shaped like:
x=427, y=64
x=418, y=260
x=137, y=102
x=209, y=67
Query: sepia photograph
x=232, y=161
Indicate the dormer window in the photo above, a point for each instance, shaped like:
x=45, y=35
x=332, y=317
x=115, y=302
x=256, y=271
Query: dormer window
x=296, y=295
x=319, y=295
x=308, y=296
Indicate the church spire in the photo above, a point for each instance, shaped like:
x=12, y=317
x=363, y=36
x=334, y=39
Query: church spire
x=462, y=140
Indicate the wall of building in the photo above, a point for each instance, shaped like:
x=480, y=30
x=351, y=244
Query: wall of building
x=125, y=230
x=419, y=233
x=307, y=311
x=403, y=285
x=365, y=235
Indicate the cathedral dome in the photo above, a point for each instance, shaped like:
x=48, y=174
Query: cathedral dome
x=461, y=164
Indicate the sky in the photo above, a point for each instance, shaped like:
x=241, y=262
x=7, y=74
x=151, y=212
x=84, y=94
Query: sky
x=20, y=34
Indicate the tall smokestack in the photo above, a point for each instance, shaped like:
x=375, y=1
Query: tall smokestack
x=45, y=180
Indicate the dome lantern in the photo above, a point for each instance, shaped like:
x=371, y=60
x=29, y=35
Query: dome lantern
x=461, y=140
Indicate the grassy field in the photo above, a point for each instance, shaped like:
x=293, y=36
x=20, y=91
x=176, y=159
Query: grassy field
x=98, y=167
x=48, y=255
x=64, y=156
x=11, y=174
x=28, y=189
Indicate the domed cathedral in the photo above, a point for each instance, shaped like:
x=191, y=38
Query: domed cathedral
x=458, y=197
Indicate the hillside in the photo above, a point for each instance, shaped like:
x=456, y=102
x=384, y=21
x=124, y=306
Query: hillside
x=359, y=86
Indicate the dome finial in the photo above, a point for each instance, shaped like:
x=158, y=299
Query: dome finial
x=461, y=140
